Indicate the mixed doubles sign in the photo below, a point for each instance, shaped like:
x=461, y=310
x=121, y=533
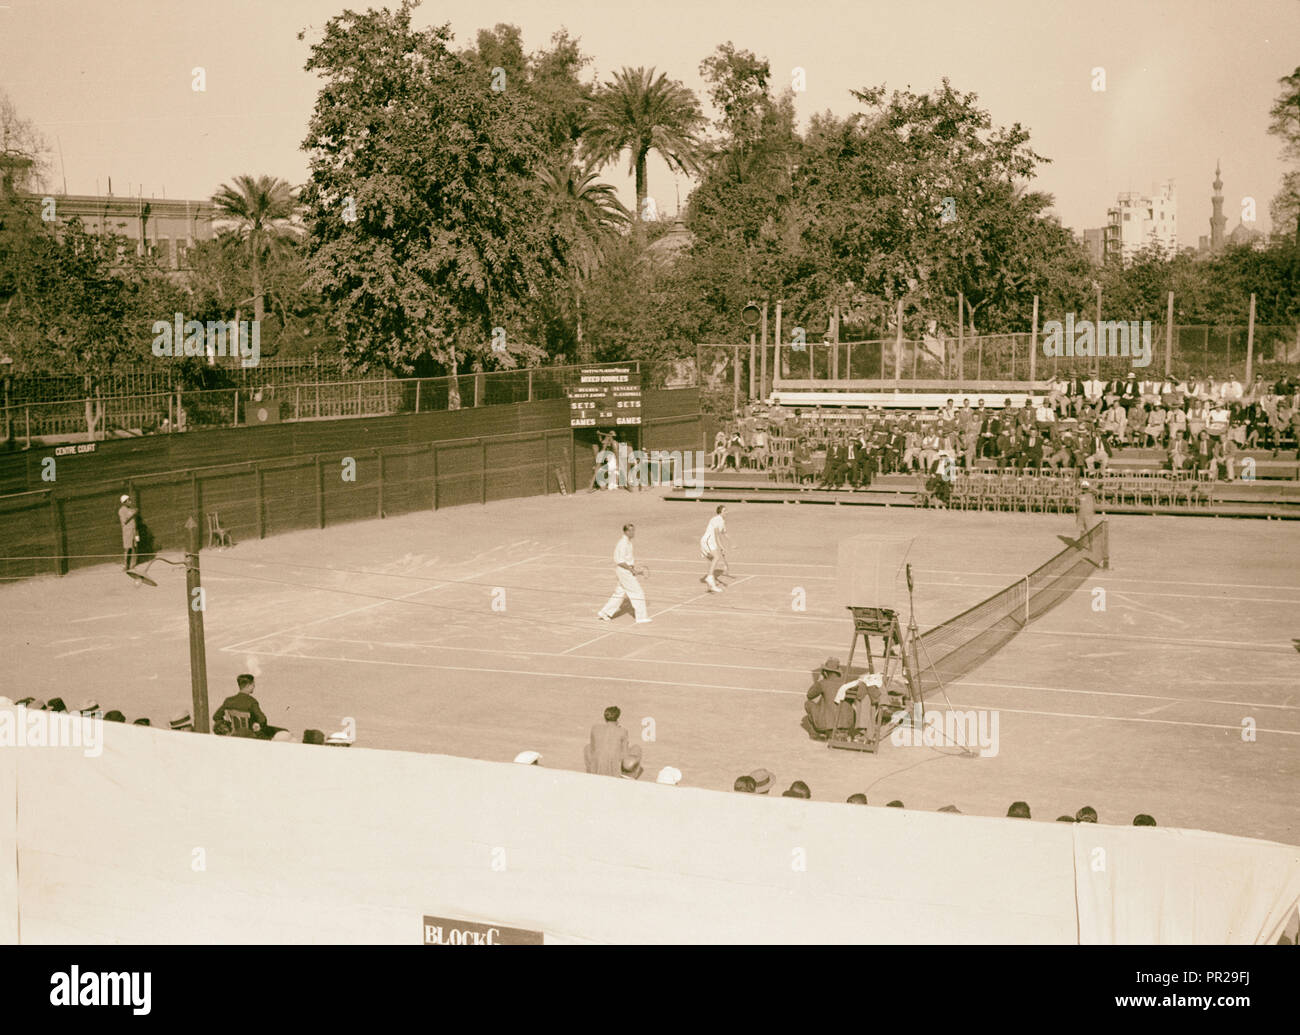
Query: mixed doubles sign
x=442, y=930
x=605, y=397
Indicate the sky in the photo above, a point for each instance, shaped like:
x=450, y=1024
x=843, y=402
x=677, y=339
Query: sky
x=1187, y=82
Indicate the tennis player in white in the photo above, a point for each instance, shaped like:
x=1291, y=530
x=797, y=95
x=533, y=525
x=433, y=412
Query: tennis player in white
x=713, y=546
x=627, y=570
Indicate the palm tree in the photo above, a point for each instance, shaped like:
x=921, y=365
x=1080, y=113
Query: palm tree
x=591, y=218
x=261, y=207
x=638, y=113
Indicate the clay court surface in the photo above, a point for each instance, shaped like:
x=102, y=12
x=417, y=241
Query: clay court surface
x=1137, y=708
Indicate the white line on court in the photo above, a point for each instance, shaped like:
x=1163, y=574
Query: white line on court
x=744, y=689
x=1010, y=575
x=498, y=652
x=377, y=603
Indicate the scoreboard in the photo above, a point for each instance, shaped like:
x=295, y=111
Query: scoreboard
x=605, y=397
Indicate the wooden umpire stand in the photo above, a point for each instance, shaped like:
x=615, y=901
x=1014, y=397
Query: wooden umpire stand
x=869, y=568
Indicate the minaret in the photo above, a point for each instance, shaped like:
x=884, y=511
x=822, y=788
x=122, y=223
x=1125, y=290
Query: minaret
x=1217, y=221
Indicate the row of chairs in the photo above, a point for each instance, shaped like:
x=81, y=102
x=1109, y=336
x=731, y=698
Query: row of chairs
x=1012, y=489
x=1171, y=488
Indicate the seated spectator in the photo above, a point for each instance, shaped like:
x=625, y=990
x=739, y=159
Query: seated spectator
x=820, y=710
x=241, y=712
x=743, y=785
x=604, y=754
x=719, y=454
x=1143, y=820
x=1066, y=819
x=313, y=737
x=762, y=781
x=669, y=777
x=1018, y=810
x=857, y=799
x=1087, y=814
x=183, y=721
x=141, y=722
x=798, y=789
x=89, y=707
x=114, y=716
x=895, y=804
x=528, y=758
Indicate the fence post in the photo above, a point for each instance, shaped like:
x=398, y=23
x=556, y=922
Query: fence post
x=320, y=493
x=979, y=364
x=379, y=455
x=530, y=384
x=1250, y=340
x=358, y=398
x=1013, y=357
x=961, y=337
x=1169, y=335
x=483, y=470
x=236, y=424
x=60, y=536
x=898, y=345
x=27, y=411
x=261, y=501
x=1033, y=344
x=433, y=452
x=417, y=395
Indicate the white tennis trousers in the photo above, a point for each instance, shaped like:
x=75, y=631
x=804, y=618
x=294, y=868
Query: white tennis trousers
x=630, y=587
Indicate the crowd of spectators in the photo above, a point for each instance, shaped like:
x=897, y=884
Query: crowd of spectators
x=1079, y=424
x=239, y=715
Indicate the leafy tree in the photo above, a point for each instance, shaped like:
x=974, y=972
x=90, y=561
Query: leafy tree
x=591, y=219
x=638, y=112
x=423, y=203
x=261, y=208
x=1284, y=123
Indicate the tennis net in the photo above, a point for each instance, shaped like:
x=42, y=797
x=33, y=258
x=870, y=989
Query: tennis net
x=948, y=651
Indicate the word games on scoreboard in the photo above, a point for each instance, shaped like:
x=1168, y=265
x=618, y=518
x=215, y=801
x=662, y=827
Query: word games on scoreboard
x=605, y=397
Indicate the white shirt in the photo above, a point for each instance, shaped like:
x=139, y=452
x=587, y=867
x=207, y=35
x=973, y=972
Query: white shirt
x=623, y=551
x=717, y=526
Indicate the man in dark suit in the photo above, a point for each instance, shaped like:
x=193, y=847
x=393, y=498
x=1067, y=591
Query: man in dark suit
x=608, y=746
x=244, y=702
x=821, y=713
x=990, y=429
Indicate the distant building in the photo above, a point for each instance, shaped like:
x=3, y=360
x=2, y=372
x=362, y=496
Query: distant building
x=1218, y=240
x=1095, y=242
x=162, y=228
x=1138, y=221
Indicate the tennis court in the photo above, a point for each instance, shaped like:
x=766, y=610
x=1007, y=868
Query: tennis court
x=472, y=631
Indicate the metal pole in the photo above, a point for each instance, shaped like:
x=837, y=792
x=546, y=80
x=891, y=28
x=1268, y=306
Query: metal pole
x=194, y=603
x=762, y=356
x=1169, y=334
x=961, y=337
x=1250, y=341
x=1096, y=347
x=735, y=378
x=776, y=351
x=753, y=347
x=1033, y=344
x=898, y=344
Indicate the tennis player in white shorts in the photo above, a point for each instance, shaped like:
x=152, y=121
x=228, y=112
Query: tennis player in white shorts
x=713, y=546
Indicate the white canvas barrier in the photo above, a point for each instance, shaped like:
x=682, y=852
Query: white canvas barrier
x=177, y=838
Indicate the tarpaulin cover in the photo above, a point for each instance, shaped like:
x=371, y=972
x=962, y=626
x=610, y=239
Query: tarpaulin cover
x=178, y=837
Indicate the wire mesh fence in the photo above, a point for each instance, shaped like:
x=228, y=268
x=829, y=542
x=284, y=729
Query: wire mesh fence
x=178, y=410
